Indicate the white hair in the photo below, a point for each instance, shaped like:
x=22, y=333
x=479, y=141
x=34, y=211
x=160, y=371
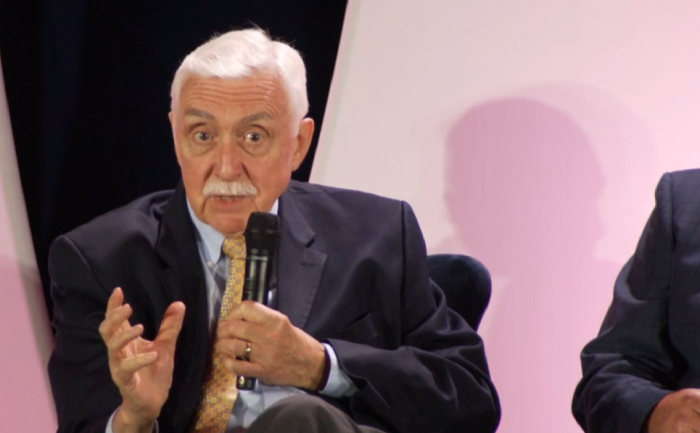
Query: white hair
x=244, y=53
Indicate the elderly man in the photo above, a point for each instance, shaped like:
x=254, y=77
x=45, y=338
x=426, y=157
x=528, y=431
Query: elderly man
x=642, y=373
x=150, y=330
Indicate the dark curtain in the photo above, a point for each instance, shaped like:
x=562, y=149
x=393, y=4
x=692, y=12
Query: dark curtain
x=88, y=85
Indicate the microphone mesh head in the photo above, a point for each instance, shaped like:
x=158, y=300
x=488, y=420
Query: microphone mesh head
x=262, y=232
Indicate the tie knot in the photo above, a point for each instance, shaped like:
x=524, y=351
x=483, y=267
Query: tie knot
x=234, y=248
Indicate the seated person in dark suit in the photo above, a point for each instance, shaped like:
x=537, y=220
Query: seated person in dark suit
x=642, y=372
x=150, y=330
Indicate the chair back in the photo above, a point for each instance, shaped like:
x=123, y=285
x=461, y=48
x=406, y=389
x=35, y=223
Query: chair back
x=466, y=283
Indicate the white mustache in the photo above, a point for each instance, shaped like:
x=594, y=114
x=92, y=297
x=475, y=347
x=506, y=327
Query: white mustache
x=236, y=189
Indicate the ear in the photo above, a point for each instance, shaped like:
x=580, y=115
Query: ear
x=302, y=141
x=171, y=116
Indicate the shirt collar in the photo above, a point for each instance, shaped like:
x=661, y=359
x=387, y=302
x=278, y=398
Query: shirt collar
x=210, y=237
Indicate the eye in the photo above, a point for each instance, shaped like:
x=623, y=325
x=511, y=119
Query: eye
x=202, y=136
x=253, y=137
x=255, y=141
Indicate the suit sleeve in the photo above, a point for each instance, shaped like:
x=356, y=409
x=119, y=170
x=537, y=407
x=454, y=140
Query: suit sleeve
x=630, y=366
x=82, y=387
x=437, y=380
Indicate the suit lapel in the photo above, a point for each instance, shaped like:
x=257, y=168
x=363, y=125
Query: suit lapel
x=300, y=268
x=182, y=279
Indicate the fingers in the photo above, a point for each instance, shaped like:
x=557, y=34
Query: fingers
x=281, y=354
x=253, y=312
x=172, y=324
x=235, y=329
x=244, y=368
x=251, y=321
x=236, y=348
x=115, y=299
x=119, y=340
x=117, y=333
x=127, y=367
x=116, y=316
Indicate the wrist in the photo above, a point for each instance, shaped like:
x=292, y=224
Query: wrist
x=125, y=421
x=321, y=369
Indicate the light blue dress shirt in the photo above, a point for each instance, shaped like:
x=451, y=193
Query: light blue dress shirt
x=249, y=404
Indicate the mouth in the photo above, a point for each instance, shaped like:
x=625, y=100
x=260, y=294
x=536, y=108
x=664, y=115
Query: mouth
x=229, y=198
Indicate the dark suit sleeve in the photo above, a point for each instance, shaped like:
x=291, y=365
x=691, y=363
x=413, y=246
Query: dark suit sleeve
x=631, y=365
x=437, y=379
x=83, y=391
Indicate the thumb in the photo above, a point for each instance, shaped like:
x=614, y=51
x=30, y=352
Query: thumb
x=171, y=325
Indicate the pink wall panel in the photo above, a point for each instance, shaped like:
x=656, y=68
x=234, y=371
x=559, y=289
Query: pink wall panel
x=529, y=135
x=25, y=337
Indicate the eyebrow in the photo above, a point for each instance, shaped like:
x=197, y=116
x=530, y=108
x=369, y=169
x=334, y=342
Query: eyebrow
x=257, y=116
x=198, y=113
x=248, y=119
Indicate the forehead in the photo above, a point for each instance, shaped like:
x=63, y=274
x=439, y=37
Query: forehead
x=260, y=93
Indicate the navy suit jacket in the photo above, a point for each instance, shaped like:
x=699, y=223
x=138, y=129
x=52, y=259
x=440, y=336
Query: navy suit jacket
x=649, y=344
x=351, y=271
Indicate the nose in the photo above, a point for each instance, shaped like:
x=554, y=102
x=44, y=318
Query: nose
x=229, y=160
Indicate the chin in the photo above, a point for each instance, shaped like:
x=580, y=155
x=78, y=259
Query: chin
x=228, y=222
x=230, y=228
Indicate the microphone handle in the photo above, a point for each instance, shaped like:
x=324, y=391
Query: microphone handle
x=256, y=287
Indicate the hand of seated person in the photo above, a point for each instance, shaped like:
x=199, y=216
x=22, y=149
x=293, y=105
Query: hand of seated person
x=141, y=369
x=678, y=412
x=280, y=353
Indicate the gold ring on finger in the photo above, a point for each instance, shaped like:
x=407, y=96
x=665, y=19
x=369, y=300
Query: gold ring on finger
x=248, y=350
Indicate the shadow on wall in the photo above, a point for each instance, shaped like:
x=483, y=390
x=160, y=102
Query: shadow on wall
x=627, y=153
x=523, y=185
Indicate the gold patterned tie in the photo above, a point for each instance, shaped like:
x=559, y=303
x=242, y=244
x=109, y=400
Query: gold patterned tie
x=220, y=387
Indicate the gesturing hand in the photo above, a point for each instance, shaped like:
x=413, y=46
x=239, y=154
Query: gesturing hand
x=141, y=369
x=678, y=412
x=281, y=354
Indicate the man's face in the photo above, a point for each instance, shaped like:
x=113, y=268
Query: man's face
x=237, y=145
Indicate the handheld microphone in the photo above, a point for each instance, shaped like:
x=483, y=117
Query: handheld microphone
x=262, y=235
